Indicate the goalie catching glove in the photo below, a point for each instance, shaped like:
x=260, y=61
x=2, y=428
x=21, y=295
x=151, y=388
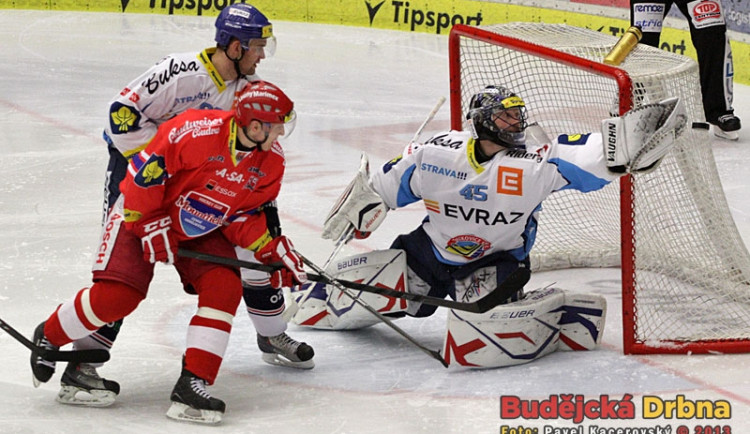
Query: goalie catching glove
x=637, y=141
x=280, y=252
x=359, y=206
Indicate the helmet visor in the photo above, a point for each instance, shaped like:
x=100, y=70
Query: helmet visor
x=264, y=46
x=290, y=122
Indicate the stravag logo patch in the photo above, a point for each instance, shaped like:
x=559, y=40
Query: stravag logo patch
x=401, y=12
x=442, y=171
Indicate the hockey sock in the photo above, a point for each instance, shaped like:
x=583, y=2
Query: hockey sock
x=219, y=292
x=265, y=306
x=90, y=309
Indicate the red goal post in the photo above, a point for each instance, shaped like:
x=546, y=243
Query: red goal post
x=685, y=285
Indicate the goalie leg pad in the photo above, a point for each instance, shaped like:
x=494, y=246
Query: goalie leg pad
x=327, y=307
x=582, y=321
x=546, y=320
x=507, y=335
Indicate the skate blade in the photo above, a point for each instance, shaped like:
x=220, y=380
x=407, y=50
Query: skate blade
x=185, y=413
x=278, y=360
x=72, y=395
x=727, y=135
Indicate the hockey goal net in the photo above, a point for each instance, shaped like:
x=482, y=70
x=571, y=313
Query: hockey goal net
x=684, y=266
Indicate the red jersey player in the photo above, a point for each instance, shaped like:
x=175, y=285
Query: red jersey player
x=197, y=185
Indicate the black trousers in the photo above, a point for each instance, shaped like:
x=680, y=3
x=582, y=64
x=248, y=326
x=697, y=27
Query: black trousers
x=709, y=38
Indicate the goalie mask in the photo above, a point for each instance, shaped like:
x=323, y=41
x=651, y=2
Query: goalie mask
x=497, y=104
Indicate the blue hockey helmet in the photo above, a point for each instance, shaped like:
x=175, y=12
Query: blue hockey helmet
x=244, y=22
x=487, y=105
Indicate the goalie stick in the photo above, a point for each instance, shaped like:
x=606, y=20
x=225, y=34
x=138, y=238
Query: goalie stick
x=82, y=356
x=432, y=114
x=504, y=290
x=340, y=284
x=343, y=239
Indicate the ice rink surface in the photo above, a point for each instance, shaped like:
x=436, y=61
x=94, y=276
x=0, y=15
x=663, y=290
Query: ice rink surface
x=355, y=89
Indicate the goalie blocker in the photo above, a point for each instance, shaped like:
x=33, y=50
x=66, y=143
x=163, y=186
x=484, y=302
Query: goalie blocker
x=542, y=322
x=358, y=206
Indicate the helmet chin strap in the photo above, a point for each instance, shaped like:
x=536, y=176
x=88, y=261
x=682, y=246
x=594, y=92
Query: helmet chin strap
x=236, y=62
x=257, y=143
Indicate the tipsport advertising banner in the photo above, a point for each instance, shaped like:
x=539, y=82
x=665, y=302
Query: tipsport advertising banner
x=411, y=14
x=428, y=16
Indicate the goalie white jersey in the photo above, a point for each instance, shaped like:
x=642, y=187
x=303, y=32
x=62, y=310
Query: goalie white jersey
x=475, y=209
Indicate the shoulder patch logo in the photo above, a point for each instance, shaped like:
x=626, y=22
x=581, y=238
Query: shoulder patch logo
x=123, y=118
x=573, y=139
x=152, y=173
x=389, y=165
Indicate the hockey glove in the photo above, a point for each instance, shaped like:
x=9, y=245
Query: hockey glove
x=280, y=252
x=159, y=243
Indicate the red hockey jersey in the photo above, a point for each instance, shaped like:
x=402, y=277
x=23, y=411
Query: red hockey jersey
x=191, y=170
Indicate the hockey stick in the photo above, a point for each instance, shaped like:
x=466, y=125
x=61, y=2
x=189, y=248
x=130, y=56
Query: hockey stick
x=504, y=291
x=349, y=232
x=432, y=114
x=340, y=243
x=82, y=356
x=341, y=284
x=387, y=321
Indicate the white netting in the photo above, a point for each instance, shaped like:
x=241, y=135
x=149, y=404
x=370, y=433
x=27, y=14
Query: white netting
x=691, y=278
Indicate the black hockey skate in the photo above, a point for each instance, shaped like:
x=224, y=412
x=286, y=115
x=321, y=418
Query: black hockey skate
x=282, y=350
x=726, y=126
x=82, y=385
x=41, y=369
x=192, y=403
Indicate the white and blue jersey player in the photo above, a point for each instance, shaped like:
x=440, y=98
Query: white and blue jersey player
x=483, y=190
